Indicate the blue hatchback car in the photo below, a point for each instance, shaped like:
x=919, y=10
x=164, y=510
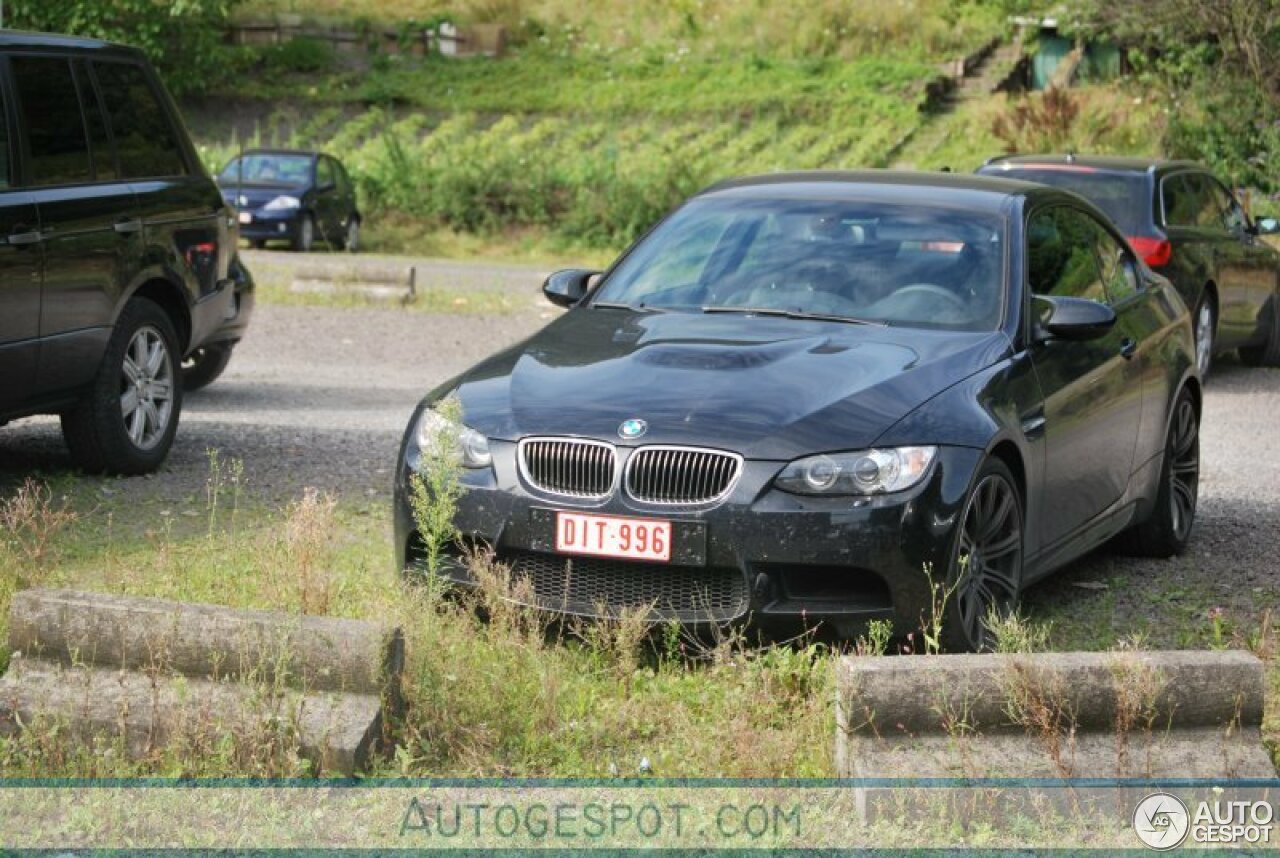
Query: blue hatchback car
x=292, y=195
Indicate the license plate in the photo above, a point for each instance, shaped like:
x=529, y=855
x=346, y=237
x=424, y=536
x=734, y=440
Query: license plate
x=610, y=536
x=245, y=217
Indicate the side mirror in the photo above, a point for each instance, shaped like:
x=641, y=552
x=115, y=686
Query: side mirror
x=326, y=187
x=1267, y=226
x=568, y=287
x=1073, y=318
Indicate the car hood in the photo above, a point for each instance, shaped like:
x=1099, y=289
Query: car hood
x=769, y=388
x=253, y=195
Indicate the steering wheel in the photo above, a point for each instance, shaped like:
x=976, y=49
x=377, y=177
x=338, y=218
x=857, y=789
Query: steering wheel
x=930, y=290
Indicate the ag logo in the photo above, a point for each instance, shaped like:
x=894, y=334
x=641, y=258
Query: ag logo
x=1161, y=821
x=633, y=428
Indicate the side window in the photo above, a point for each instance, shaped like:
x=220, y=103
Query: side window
x=55, y=127
x=146, y=145
x=1188, y=201
x=324, y=173
x=344, y=181
x=1231, y=213
x=1061, y=256
x=1119, y=277
x=104, y=156
x=6, y=176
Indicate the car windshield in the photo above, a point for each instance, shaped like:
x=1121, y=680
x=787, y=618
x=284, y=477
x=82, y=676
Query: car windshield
x=915, y=266
x=1123, y=196
x=268, y=168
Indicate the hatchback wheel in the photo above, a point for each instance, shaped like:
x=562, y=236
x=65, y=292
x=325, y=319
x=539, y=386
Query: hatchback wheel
x=986, y=566
x=351, y=241
x=126, y=423
x=1168, y=529
x=306, y=236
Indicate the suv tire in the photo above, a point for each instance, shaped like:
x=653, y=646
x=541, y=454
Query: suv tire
x=126, y=422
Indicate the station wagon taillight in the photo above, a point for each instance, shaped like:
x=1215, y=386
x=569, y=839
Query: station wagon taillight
x=1154, y=251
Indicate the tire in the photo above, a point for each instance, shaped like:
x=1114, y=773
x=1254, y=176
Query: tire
x=104, y=436
x=306, y=237
x=986, y=562
x=257, y=243
x=203, y=366
x=1167, y=531
x=1204, y=323
x=351, y=237
x=1267, y=354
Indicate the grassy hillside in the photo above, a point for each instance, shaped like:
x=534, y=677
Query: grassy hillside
x=602, y=116
x=605, y=115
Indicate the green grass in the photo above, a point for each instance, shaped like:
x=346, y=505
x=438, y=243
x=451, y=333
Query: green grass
x=496, y=698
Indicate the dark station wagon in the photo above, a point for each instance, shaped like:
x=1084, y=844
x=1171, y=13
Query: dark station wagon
x=1190, y=228
x=115, y=249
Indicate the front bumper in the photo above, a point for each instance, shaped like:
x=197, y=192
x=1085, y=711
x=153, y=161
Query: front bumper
x=263, y=225
x=771, y=558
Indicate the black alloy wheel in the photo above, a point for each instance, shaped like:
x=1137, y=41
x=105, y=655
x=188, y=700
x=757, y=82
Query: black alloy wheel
x=986, y=569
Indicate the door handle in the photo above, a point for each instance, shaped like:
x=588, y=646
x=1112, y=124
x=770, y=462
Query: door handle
x=128, y=226
x=25, y=238
x=1128, y=347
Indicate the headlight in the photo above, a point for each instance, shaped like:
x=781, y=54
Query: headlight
x=282, y=203
x=866, y=472
x=438, y=435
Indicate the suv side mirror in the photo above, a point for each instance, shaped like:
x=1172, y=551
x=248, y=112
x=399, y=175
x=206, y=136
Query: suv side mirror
x=1073, y=318
x=568, y=287
x=1267, y=226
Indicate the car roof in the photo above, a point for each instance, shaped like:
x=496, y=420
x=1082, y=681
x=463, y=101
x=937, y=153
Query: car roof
x=906, y=187
x=1110, y=163
x=309, y=153
x=20, y=39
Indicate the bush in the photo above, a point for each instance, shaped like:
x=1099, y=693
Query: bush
x=184, y=38
x=302, y=55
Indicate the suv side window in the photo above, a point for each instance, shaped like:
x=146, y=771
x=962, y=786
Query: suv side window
x=146, y=145
x=1230, y=213
x=6, y=159
x=1119, y=277
x=50, y=110
x=1061, y=254
x=1188, y=201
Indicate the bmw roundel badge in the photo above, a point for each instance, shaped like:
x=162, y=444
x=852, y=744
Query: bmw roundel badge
x=633, y=428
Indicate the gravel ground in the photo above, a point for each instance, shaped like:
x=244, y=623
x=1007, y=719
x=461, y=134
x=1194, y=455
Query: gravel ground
x=320, y=396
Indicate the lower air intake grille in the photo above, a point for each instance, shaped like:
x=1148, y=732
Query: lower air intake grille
x=593, y=587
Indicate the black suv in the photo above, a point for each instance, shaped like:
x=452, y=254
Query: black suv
x=1187, y=226
x=115, y=247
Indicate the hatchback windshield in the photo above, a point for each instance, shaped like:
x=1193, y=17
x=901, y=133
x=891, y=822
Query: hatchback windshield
x=914, y=266
x=267, y=168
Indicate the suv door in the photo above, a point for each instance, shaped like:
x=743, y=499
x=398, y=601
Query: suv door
x=179, y=210
x=1092, y=389
x=88, y=216
x=1193, y=220
x=19, y=279
x=1254, y=263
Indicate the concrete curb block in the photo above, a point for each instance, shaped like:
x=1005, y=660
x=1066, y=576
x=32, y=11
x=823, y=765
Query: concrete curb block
x=1130, y=714
x=384, y=281
x=146, y=670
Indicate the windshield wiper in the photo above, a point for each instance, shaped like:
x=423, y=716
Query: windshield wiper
x=619, y=305
x=793, y=314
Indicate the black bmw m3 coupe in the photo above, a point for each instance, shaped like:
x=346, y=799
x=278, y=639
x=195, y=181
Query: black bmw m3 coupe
x=824, y=398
